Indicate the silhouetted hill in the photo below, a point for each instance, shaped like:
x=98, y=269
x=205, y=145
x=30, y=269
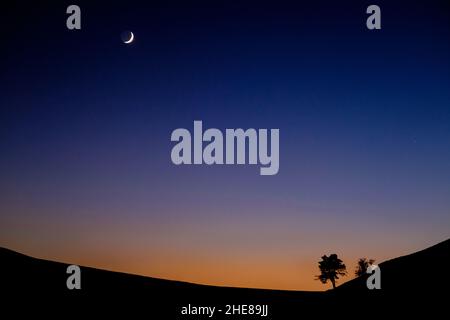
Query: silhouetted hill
x=412, y=283
x=421, y=270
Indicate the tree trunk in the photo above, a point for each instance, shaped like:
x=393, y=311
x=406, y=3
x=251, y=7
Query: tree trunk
x=333, y=282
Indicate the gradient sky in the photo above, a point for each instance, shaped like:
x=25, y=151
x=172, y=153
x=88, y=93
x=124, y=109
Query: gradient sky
x=85, y=124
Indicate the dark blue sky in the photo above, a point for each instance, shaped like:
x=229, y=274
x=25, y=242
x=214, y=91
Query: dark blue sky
x=364, y=119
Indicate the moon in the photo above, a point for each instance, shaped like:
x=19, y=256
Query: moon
x=127, y=37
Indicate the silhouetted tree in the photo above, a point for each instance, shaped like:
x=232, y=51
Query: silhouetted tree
x=331, y=267
x=362, y=266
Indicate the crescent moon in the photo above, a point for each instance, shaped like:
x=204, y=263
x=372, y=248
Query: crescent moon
x=131, y=38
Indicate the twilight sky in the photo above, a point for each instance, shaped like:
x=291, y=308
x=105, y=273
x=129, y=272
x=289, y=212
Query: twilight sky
x=85, y=124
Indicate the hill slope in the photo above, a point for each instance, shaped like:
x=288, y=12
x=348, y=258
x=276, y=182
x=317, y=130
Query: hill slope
x=409, y=283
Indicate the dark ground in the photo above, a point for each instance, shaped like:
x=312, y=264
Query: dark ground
x=411, y=285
